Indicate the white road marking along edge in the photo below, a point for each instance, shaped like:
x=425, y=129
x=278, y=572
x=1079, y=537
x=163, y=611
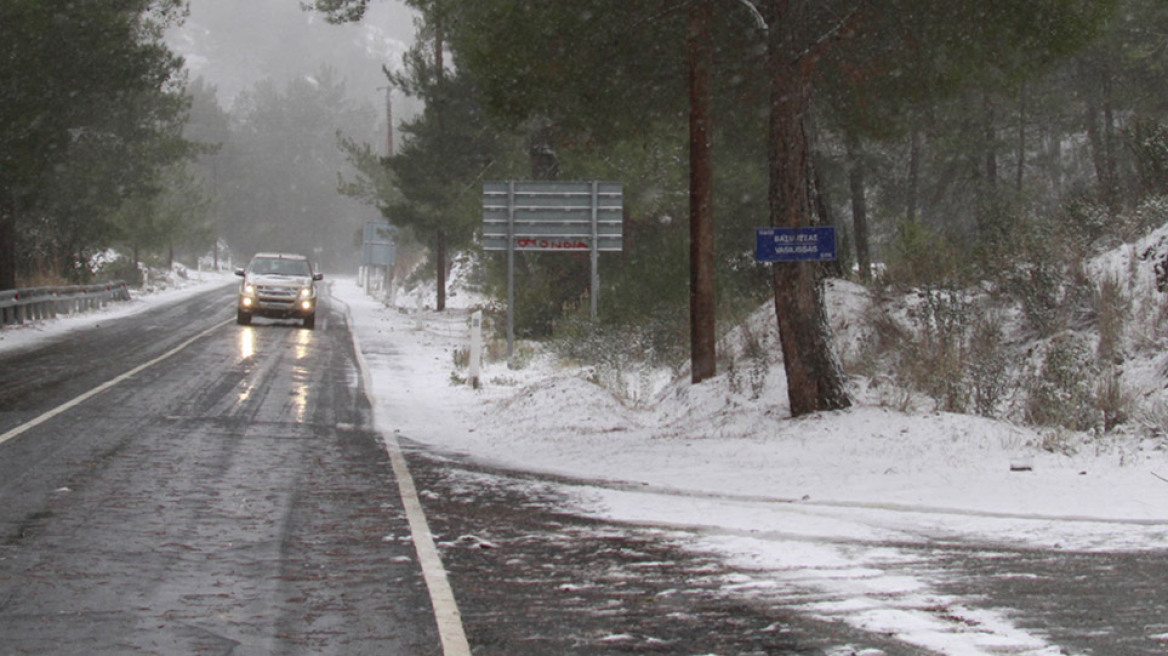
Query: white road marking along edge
x=446, y=614
x=32, y=423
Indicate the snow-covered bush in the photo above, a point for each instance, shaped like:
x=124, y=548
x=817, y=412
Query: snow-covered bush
x=626, y=360
x=935, y=358
x=1059, y=391
x=988, y=363
x=1112, y=307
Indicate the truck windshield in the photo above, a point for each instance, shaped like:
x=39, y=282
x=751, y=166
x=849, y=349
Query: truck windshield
x=281, y=267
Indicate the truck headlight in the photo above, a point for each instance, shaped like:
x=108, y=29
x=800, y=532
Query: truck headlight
x=306, y=292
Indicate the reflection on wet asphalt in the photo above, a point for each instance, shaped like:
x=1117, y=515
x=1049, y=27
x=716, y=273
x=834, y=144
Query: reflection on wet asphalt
x=231, y=499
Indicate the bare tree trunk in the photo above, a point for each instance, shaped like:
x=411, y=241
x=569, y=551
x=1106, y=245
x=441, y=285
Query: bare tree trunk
x=914, y=172
x=991, y=144
x=440, y=255
x=1019, y=174
x=1098, y=119
x=823, y=216
x=859, y=206
x=702, y=299
x=1112, y=195
x=440, y=238
x=815, y=380
x=541, y=150
x=7, y=243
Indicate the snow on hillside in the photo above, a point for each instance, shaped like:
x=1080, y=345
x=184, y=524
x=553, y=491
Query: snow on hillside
x=1141, y=272
x=793, y=504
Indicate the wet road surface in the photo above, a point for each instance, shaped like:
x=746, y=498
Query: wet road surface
x=233, y=499
x=228, y=500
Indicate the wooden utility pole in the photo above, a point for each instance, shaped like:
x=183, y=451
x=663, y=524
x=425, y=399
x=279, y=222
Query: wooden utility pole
x=389, y=121
x=7, y=243
x=439, y=107
x=702, y=298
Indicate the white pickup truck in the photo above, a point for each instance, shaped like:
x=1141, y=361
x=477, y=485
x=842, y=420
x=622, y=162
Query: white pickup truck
x=279, y=286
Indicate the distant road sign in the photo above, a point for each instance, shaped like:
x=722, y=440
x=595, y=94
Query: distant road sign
x=794, y=244
x=377, y=248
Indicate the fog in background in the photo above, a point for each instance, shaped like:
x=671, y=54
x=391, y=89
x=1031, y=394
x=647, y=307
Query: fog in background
x=235, y=43
x=289, y=82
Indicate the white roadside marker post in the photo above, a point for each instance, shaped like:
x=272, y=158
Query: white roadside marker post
x=476, y=347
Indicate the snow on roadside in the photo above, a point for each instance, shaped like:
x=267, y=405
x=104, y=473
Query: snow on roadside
x=177, y=288
x=706, y=439
x=801, y=508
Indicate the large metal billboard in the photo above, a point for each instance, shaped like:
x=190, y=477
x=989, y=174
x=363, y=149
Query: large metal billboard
x=553, y=216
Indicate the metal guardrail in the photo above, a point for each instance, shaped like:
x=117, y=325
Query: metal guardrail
x=33, y=303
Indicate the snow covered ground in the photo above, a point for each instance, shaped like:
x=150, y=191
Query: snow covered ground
x=175, y=289
x=800, y=508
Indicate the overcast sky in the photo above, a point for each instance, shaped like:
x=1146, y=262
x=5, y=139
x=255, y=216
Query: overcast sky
x=235, y=43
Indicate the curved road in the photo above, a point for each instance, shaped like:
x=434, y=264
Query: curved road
x=228, y=499
x=231, y=498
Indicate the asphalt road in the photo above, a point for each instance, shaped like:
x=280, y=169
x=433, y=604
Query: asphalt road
x=232, y=498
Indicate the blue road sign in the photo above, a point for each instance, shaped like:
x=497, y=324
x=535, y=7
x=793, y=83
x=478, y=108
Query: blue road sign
x=794, y=244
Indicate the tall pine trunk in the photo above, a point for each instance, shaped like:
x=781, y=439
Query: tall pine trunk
x=440, y=237
x=440, y=256
x=856, y=186
x=702, y=299
x=7, y=243
x=1020, y=167
x=914, y=173
x=815, y=381
x=1096, y=84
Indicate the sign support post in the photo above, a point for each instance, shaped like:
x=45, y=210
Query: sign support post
x=552, y=216
x=595, y=295
x=510, y=271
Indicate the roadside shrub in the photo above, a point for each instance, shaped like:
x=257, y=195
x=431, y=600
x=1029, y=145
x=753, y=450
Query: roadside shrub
x=1147, y=140
x=1081, y=221
x=756, y=351
x=935, y=358
x=120, y=268
x=1151, y=213
x=1042, y=272
x=1148, y=323
x=1153, y=417
x=918, y=256
x=1113, y=401
x=461, y=358
x=1112, y=307
x=1038, y=288
x=988, y=370
x=622, y=356
x=1057, y=439
x=1060, y=392
x=881, y=339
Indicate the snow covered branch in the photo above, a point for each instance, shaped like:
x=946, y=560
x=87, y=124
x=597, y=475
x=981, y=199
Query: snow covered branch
x=758, y=17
